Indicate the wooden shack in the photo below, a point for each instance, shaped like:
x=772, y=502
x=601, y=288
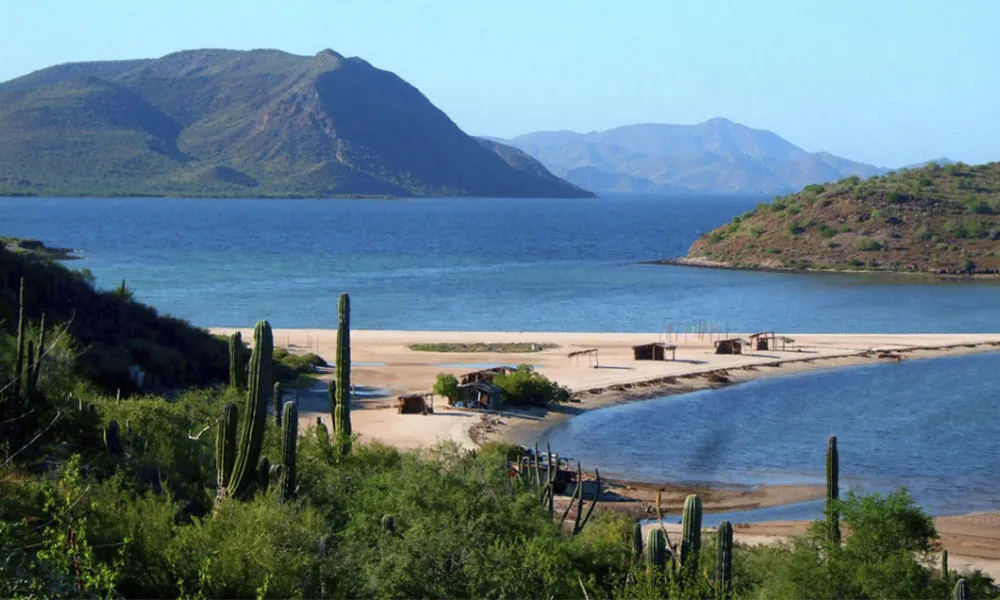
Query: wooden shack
x=485, y=374
x=729, y=346
x=414, y=404
x=654, y=351
x=482, y=395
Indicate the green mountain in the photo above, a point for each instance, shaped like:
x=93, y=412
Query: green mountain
x=939, y=219
x=714, y=157
x=234, y=123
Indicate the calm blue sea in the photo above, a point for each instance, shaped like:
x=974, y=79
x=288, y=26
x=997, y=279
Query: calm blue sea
x=469, y=264
x=930, y=426
x=573, y=265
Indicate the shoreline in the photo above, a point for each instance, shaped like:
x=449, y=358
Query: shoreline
x=704, y=263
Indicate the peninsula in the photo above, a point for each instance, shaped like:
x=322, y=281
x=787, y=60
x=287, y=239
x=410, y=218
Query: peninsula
x=941, y=220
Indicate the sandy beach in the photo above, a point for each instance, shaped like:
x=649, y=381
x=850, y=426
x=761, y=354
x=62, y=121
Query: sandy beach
x=384, y=366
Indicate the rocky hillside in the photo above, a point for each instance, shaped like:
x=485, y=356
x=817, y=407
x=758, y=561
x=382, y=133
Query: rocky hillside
x=937, y=219
x=257, y=123
x=714, y=157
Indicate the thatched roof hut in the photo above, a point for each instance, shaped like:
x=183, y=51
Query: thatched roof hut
x=654, y=351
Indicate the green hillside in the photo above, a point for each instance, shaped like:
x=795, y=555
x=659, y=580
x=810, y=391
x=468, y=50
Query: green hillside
x=233, y=123
x=940, y=220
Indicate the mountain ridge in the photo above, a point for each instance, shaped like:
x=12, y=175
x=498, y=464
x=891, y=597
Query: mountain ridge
x=716, y=156
x=219, y=122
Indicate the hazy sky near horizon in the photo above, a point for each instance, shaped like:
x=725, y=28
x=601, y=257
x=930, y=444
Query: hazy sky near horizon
x=889, y=82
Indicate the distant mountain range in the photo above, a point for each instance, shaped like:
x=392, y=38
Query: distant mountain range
x=717, y=157
x=257, y=123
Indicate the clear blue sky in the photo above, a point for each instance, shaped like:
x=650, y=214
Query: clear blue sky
x=888, y=82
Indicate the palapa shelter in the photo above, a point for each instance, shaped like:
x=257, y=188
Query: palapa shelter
x=654, y=351
x=415, y=404
x=590, y=352
x=767, y=340
x=482, y=395
x=729, y=346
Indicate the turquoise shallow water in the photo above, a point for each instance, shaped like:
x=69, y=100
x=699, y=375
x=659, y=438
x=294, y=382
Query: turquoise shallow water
x=928, y=425
x=469, y=264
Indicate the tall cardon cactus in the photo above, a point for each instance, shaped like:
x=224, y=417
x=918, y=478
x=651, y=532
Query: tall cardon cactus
x=289, y=438
x=723, y=559
x=691, y=534
x=832, y=491
x=342, y=410
x=277, y=403
x=254, y=413
x=962, y=591
x=225, y=448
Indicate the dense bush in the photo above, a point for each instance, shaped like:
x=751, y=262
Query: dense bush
x=527, y=386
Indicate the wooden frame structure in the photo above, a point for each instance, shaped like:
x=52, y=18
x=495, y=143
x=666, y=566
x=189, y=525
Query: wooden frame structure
x=767, y=340
x=730, y=346
x=415, y=404
x=654, y=351
x=588, y=353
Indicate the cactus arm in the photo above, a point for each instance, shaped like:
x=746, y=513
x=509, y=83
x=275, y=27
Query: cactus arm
x=723, y=558
x=19, y=361
x=342, y=414
x=832, y=491
x=225, y=447
x=593, y=502
x=276, y=402
x=691, y=540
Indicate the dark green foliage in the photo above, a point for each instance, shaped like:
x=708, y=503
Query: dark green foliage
x=225, y=447
x=656, y=550
x=254, y=412
x=866, y=244
x=525, y=386
x=635, y=540
x=289, y=438
x=723, y=558
x=691, y=537
x=832, y=492
x=288, y=367
x=945, y=574
x=237, y=362
x=19, y=364
x=342, y=410
x=263, y=473
x=116, y=129
x=276, y=403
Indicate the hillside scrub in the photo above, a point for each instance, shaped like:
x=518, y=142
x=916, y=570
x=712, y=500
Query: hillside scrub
x=929, y=220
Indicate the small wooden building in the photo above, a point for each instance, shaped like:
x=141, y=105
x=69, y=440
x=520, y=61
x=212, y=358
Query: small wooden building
x=414, y=404
x=654, y=351
x=729, y=346
x=485, y=374
x=482, y=395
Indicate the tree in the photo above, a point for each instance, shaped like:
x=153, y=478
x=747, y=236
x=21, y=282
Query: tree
x=526, y=386
x=446, y=385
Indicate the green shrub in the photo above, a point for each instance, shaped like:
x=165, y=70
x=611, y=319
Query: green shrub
x=794, y=209
x=793, y=228
x=526, y=386
x=826, y=231
x=815, y=189
x=446, y=385
x=867, y=244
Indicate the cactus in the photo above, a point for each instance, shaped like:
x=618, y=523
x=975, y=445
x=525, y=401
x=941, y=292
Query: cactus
x=832, y=491
x=276, y=402
x=723, y=558
x=635, y=540
x=388, y=524
x=656, y=550
x=944, y=564
x=37, y=362
x=225, y=447
x=112, y=441
x=581, y=519
x=961, y=591
x=342, y=412
x=289, y=438
x=331, y=393
x=691, y=534
x=237, y=362
x=19, y=361
x=322, y=433
x=263, y=473
x=255, y=413
x=276, y=474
